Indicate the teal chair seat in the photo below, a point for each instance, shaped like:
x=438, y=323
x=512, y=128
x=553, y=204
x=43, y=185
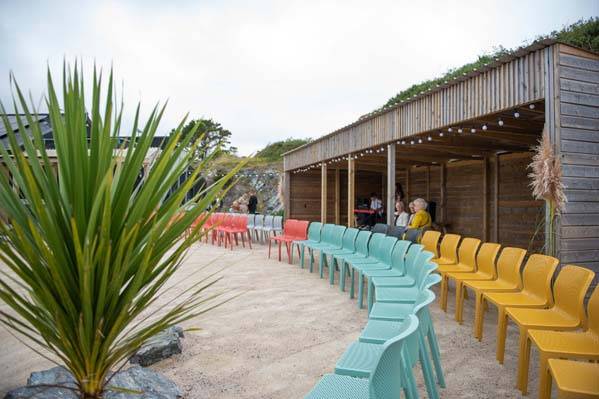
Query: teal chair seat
x=333, y=386
x=359, y=359
x=391, y=311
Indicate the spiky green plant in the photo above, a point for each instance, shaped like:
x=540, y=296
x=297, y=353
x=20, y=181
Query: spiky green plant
x=90, y=247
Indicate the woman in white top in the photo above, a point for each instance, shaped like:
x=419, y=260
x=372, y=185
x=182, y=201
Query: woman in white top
x=401, y=216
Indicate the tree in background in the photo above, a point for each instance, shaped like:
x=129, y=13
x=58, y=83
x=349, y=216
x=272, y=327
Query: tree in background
x=274, y=151
x=213, y=138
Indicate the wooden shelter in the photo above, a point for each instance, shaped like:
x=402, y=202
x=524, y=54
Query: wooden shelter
x=466, y=146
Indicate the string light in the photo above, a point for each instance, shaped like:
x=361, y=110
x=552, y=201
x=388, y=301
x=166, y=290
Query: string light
x=500, y=122
x=460, y=130
x=419, y=141
x=412, y=142
x=429, y=138
x=441, y=133
x=516, y=114
x=485, y=127
x=531, y=106
x=473, y=130
x=403, y=142
x=449, y=130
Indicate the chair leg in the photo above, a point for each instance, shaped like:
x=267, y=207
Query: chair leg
x=321, y=260
x=523, y=360
x=443, y=301
x=459, y=300
x=249, y=239
x=501, y=333
x=427, y=372
x=411, y=388
x=341, y=276
x=332, y=265
x=279, y=249
x=479, y=315
x=311, y=251
x=434, y=345
x=288, y=251
x=544, y=377
x=360, y=289
x=351, y=280
x=370, y=294
x=242, y=239
x=269, y=248
x=301, y=249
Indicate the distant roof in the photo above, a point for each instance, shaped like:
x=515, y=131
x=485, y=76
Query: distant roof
x=42, y=119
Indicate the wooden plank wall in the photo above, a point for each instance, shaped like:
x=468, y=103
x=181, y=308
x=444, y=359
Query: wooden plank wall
x=517, y=81
x=578, y=134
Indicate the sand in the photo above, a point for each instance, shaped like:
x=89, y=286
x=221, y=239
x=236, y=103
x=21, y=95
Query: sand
x=286, y=330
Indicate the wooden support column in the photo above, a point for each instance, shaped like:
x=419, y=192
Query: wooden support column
x=351, y=191
x=323, y=193
x=428, y=183
x=495, y=210
x=287, y=195
x=408, y=185
x=337, y=197
x=442, y=206
x=390, y=183
x=485, y=189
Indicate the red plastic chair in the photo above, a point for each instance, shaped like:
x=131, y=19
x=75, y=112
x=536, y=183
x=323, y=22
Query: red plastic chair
x=293, y=230
x=237, y=225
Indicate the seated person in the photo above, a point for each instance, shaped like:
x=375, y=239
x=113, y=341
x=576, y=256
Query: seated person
x=411, y=212
x=401, y=216
x=376, y=205
x=421, y=217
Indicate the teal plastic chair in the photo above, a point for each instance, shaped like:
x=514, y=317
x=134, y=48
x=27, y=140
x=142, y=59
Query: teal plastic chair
x=387, y=374
x=325, y=238
x=314, y=232
x=404, y=303
x=362, y=242
x=348, y=247
x=384, y=254
x=335, y=243
x=397, y=294
x=398, y=268
x=375, y=255
x=379, y=331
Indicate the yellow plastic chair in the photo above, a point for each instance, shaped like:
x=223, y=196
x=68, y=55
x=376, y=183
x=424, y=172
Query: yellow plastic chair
x=430, y=240
x=508, y=280
x=467, y=263
x=536, y=293
x=567, y=313
x=574, y=380
x=567, y=344
x=449, y=250
x=485, y=262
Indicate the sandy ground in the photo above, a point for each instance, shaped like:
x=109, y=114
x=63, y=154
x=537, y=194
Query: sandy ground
x=286, y=331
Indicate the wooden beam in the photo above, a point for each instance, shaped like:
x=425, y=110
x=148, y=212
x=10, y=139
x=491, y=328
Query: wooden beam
x=337, y=197
x=428, y=183
x=495, y=236
x=390, y=183
x=287, y=194
x=485, y=189
x=323, y=193
x=351, y=191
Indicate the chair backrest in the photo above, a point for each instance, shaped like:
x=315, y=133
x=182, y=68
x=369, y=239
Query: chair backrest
x=314, y=231
x=485, y=259
x=380, y=228
x=362, y=241
x=386, y=250
x=290, y=226
x=385, y=381
x=449, y=247
x=374, y=244
x=432, y=279
x=277, y=222
x=268, y=221
x=570, y=288
x=326, y=234
x=259, y=221
x=509, y=264
x=337, y=237
x=241, y=221
x=424, y=268
x=412, y=235
x=412, y=258
x=301, y=231
x=430, y=240
x=396, y=231
x=467, y=252
x=538, y=271
x=349, y=239
x=593, y=312
x=251, y=219
x=398, y=256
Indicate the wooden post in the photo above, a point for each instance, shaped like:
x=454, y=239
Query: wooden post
x=442, y=206
x=351, y=191
x=337, y=197
x=390, y=183
x=485, y=187
x=495, y=235
x=287, y=194
x=323, y=193
x=428, y=183
x=408, y=185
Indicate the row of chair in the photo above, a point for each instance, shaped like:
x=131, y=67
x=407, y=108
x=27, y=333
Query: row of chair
x=399, y=327
x=223, y=228
x=546, y=314
x=262, y=226
x=294, y=230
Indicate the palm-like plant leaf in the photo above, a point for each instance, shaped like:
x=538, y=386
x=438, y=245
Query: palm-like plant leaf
x=89, y=246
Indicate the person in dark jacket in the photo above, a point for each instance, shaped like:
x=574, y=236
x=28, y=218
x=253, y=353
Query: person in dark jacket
x=253, y=202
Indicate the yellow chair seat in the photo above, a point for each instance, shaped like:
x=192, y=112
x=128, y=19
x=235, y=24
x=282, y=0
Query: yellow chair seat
x=470, y=276
x=566, y=343
x=520, y=299
x=539, y=318
x=575, y=379
x=490, y=286
x=443, y=261
x=443, y=269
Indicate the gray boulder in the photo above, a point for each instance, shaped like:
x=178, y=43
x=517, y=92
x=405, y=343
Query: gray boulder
x=141, y=383
x=163, y=345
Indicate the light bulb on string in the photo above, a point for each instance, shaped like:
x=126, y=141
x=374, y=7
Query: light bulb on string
x=516, y=114
x=531, y=106
x=500, y=122
x=449, y=130
x=441, y=134
x=485, y=127
x=419, y=141
x=473, y=130
x=460, y=130
x=429, y=138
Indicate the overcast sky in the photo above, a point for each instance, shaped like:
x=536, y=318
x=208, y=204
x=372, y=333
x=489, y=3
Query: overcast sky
x=266, y=70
